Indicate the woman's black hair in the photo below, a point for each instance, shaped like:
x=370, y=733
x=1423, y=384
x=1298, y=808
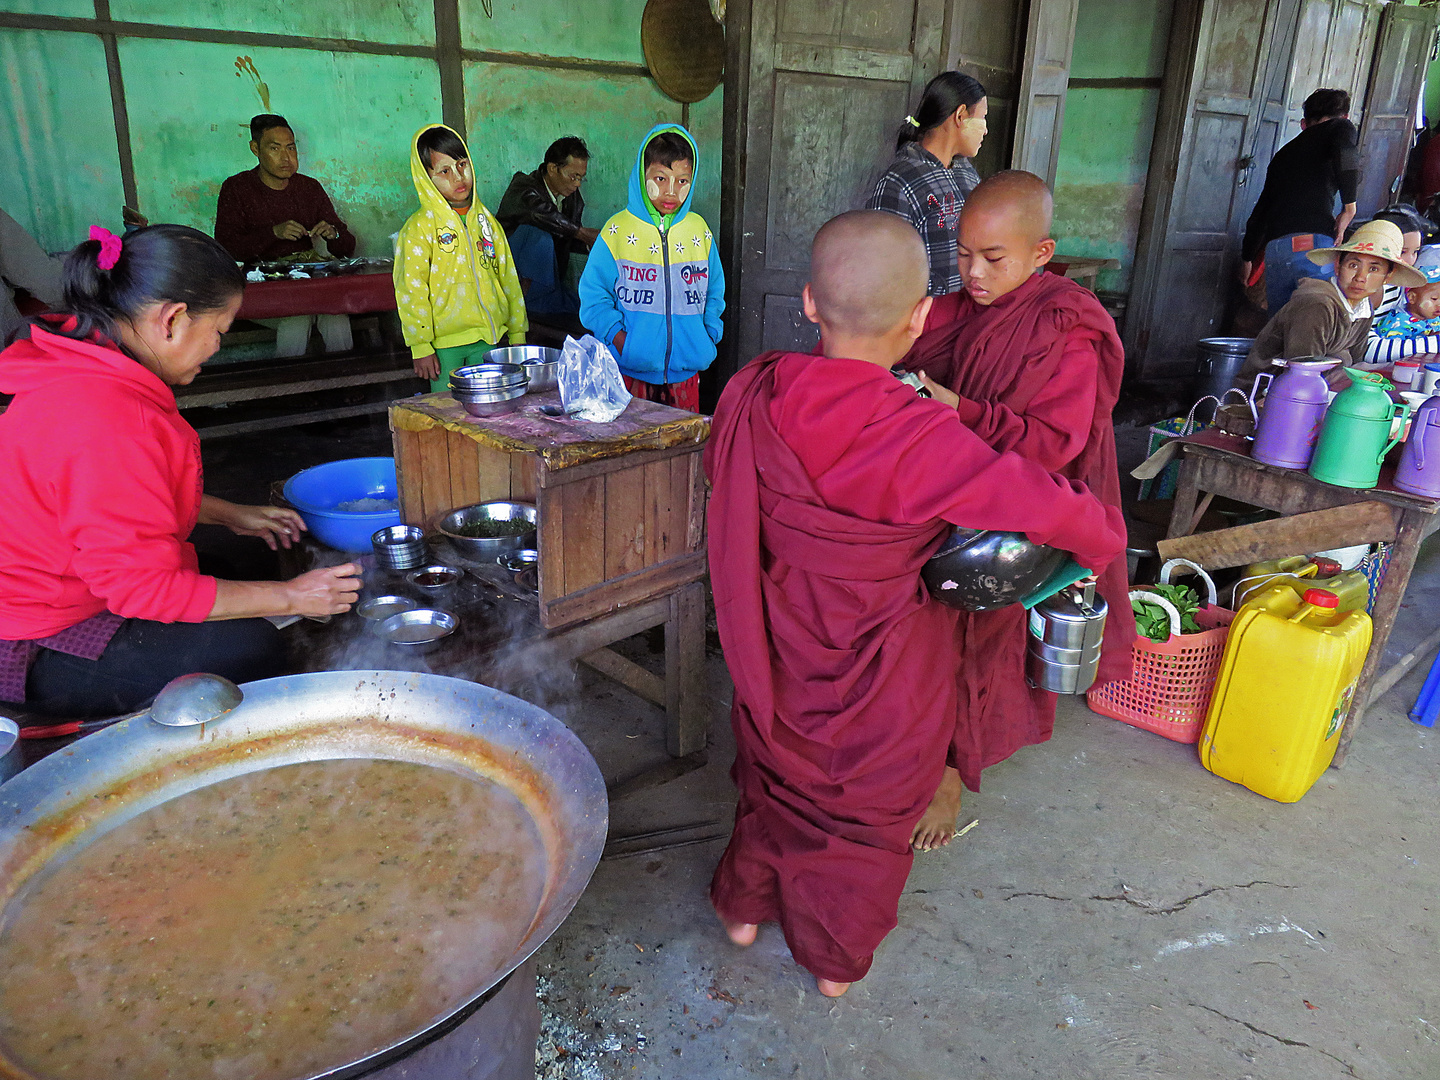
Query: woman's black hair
x=166, y=263
x=440, y=140
x=944, y=94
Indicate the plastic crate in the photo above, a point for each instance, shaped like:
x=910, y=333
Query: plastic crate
x=1169, y=692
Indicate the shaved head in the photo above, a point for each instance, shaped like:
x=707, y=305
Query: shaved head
x=1021, y=197
x=868, y=270
x=1004, y=234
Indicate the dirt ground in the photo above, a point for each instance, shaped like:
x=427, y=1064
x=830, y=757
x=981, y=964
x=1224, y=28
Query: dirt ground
x=1117, y=912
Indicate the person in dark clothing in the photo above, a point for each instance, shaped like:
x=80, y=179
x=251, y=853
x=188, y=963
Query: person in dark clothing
x=273, y=210
x=542, y=214
x=1295, y=213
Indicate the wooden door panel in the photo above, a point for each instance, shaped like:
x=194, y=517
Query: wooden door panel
x=1232, y=61
x=985, y=40
x=1045, y=74
x=1388, y=127
x=786, y=326
x=1190, y=280
x=1206, y=201
x=824, y=132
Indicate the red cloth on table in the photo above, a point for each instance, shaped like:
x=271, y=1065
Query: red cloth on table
x=343, y=294
x=682, y=395
x=248, y=211
x=101, y=482
x=1038, y=372
x=833, y=483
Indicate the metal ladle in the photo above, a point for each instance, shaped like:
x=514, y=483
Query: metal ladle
x=185, y=701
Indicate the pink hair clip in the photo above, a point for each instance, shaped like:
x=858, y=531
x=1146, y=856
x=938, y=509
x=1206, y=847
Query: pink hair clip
x=109, y=247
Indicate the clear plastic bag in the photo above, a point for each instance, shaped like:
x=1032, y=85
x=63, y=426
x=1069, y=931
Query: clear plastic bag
x=590, y=383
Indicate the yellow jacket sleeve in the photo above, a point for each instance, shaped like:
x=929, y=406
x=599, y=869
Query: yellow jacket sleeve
x=412, y=291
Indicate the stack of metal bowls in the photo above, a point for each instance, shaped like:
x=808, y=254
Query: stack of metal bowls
x=400, y=547
x=489, y=389
x=540, y=362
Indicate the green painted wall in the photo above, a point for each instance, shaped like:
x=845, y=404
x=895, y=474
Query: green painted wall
x=1105, y=145
x=354, y=113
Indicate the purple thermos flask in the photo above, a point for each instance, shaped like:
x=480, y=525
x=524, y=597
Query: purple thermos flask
x=1419, y=469
x=1287, y=427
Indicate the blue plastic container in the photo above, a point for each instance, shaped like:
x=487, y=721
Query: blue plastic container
x=316, y=493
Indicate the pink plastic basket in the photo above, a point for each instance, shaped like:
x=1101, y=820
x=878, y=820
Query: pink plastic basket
x=1169, y=692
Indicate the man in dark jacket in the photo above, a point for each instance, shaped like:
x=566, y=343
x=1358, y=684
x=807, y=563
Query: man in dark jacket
x=541, y=214
x=1295, y=213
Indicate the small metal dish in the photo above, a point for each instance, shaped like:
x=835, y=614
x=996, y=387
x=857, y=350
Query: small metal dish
x=379, y=608
x=489, y=402
x=454, y=525
x=519, y=560
x=418, y=631
x=399, y=547
x=488, y=377
x=435, y=579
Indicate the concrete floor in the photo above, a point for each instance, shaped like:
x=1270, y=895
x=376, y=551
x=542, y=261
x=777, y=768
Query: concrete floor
x=1118, y=912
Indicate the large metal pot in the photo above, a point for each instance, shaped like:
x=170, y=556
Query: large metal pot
x=72, y=797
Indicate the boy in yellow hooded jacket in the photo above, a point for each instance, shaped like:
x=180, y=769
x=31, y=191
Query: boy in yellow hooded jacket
x=455, y=282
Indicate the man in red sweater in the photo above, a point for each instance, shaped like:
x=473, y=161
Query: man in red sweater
x=272, y=211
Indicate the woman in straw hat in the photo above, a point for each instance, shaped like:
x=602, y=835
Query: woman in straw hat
x=1332, y=317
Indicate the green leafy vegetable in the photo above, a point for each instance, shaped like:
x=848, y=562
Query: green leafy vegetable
x=1153, y=621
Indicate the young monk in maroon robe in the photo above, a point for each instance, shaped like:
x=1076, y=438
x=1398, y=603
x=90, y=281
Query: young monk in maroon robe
x=833, y=482
x=1031, y=363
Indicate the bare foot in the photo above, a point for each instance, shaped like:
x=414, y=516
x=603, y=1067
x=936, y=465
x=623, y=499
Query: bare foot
x=832, y=989
x=937, y=825
x=741, y=933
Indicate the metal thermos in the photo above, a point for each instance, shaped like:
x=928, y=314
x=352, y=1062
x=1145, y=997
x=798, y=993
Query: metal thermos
x=1287, y=427
x=1063, y=650
x=1356, y=434
x=1419, y=470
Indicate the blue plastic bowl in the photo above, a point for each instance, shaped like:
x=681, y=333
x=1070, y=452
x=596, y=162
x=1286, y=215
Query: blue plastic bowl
x=316, y=493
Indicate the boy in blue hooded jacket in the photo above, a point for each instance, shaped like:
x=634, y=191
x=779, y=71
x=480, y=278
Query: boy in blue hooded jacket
x=653, y=289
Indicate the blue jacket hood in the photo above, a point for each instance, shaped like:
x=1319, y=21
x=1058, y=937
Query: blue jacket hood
x=638, y=202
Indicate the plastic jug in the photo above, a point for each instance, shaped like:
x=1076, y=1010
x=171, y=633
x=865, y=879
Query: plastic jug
x=1287, y=427
x=1419, y=470
x=1356, y=434
x=1301, y=572
x=1284, y=688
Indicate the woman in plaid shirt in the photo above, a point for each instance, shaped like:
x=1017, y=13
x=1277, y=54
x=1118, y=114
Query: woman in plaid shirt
x=932, y=173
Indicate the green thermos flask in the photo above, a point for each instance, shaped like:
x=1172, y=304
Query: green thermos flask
x=1355, y=436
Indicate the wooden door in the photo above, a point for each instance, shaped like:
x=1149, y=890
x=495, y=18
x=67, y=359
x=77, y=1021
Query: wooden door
x=985, y=40
x=1388, y=127
x=1354, y=27
x=1270, y=119
x=1044, y=76
x=1194, y=210
x=815, y=91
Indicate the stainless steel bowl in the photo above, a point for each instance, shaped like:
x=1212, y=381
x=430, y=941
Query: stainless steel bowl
x=540, y=362
x=419, y=630
x=981, y=570
x=379, y=608
x=489, y=402
x=519, y=560
x=488, y=377
x=435, y=579
x=454, y=525
x=399, y=547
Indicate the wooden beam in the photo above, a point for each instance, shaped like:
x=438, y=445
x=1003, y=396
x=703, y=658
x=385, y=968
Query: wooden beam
x=1299, y=534
x=451, y=62
x=628, y=674
x=119, y=109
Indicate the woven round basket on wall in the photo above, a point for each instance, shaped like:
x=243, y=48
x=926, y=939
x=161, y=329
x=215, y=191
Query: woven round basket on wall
x=684, y=48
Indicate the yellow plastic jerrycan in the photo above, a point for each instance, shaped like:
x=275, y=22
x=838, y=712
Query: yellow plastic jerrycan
x=1285, y=684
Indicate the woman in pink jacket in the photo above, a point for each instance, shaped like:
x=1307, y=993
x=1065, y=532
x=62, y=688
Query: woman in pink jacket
x=102, y=600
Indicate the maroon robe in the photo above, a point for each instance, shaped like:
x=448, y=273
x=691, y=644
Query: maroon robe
x=833, y=482
x=1038, y=373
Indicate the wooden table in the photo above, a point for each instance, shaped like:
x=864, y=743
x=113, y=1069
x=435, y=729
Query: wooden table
x=1082, y=268
x=621, y=527
x=1317, y=516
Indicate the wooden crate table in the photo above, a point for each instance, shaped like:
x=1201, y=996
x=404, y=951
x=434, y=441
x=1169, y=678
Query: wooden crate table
x=621, y=527
x=1316, y=517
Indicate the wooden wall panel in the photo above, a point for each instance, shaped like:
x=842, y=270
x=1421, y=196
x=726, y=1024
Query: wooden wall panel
x=584, y=503
x=464, y=470
x=624, y=522
x=406, y=446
